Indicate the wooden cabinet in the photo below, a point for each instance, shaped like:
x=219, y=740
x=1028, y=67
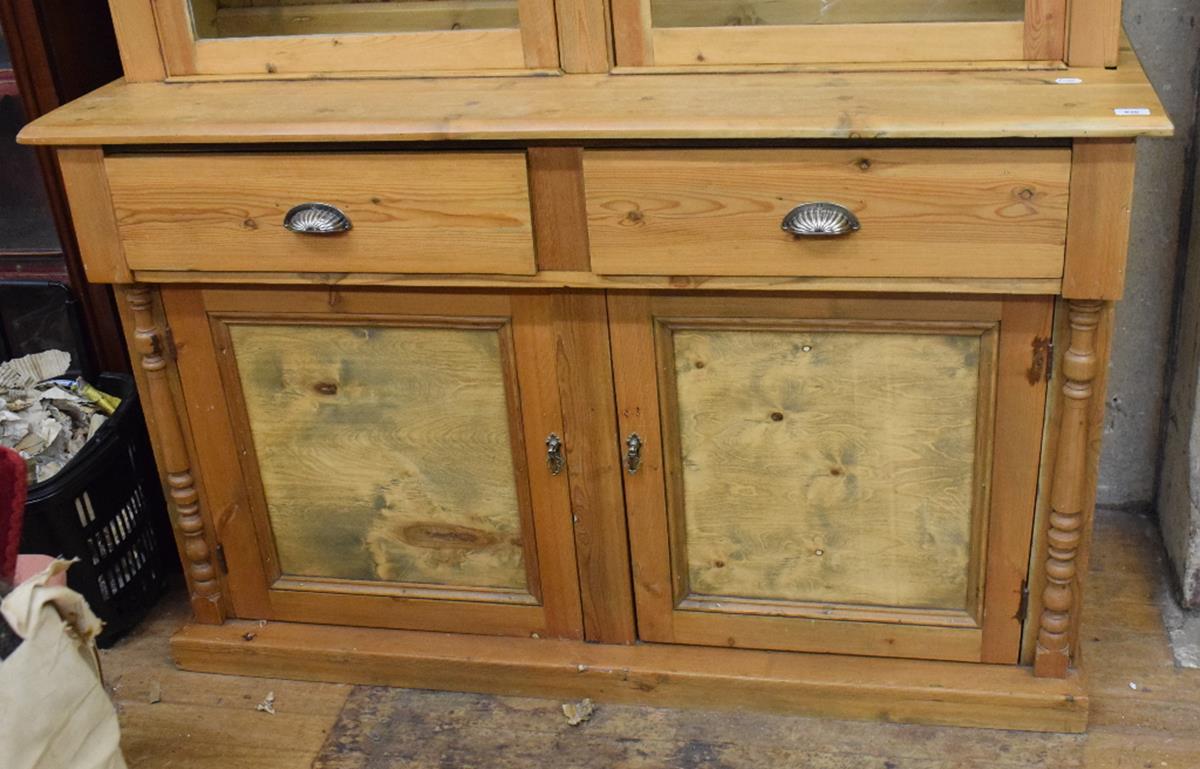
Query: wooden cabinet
x=732, y=354
x=286, y=37
x=687, y=33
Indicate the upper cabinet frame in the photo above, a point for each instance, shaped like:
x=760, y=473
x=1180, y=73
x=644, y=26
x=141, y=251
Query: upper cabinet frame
x=194, y=38
x=167, y=40
x=682, y=33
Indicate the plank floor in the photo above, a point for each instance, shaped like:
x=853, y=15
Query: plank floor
x=1145, y=710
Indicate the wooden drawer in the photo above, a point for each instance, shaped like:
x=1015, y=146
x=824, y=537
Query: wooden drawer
x=981, y=213
x=410, y=213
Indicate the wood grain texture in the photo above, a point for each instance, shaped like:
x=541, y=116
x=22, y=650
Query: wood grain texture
x=86, y=185
x=1066, y=519
x=924, y=212
x=669, y=610
x=745, y=13
x=836, y=686
x=350, y=48
x=582, y=365
x=137, y=39
x=327, y=18
x=559, y=211
x=150, y=347
x=1094, y=33
x=590, y=281
x=584, y=35
x=831, y=466
x=1045, y=29
x=853, y=105
x=547, y=607
x=1098, y=227
x=836, y=43
x=220, y=476
x=411, y=213
x=385, y=453
x=1026, y=327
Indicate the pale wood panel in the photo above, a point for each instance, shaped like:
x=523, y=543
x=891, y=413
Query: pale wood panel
x=559, y=211
x=838, y=686
x=222, y=484
x=584, y=35
x=859, y=104
x=668, y=610
x=137, y=39
x=834, y=43
x=832, y=466
x=1045, y=29
x=742, y=13
x=944, y=212
x=92, y=214
x=1098, y=229
x=384, y=452
x=1094, y=33
x=422, y=212
x=226, y=459
x=324, y=18
x=825, y=635
x=468, y=49
x=581, y=361
x=1021, y=374
x=588, y=280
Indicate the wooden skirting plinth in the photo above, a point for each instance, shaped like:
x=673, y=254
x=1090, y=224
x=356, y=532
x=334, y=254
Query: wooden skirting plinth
x=917, y=691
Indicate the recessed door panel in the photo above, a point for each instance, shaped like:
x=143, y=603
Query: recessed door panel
x=829, y=465
x=385, y=453
x=822, y=474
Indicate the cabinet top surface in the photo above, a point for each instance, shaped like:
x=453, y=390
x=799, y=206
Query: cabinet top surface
x=969, y=104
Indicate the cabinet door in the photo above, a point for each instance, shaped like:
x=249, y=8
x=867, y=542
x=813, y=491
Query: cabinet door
x=690, y=33
x=851, y=475
x=381, y=458
x=306, y=37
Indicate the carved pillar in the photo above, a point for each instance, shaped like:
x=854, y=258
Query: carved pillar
x=1067, y=494
x=149, y=347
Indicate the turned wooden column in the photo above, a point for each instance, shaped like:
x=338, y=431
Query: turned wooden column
x=149, y=345
x=1067, y=492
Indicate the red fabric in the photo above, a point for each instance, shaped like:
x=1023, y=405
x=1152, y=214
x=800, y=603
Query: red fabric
x=12, y=510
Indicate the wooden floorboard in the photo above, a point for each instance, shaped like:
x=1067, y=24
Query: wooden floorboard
x=204, y=720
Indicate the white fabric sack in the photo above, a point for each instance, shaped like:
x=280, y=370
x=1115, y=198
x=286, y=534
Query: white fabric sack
x=54, y=712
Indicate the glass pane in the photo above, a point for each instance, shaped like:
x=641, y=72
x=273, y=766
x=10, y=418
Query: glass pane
x=828, y=466
x=740, y=13
x=253, y=18
x=384, y=453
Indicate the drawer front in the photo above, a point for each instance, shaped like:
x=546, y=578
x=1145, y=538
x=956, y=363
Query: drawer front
x=409, y=213
x=979, y=213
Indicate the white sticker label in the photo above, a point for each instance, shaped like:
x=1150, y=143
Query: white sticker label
x=1131, y=111
x=1068, y=80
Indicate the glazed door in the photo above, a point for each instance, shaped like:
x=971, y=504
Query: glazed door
x=310, y=37
x=708, y=33
x=831, y=474
x=382, y=459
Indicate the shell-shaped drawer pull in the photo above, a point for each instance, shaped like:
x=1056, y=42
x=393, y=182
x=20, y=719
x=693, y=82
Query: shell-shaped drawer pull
x=316, y=219
x=820, y=220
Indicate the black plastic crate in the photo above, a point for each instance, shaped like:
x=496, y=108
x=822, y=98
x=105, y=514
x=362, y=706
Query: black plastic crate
x=38, y=315
x=106, y=508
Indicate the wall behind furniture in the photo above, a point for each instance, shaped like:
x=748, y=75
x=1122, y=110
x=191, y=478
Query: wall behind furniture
x=1167, y=38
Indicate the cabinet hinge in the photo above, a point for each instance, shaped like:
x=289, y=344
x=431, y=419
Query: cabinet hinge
x=1023, y=608
x=224, y=564
x=169, y=348
x=1042, y=364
